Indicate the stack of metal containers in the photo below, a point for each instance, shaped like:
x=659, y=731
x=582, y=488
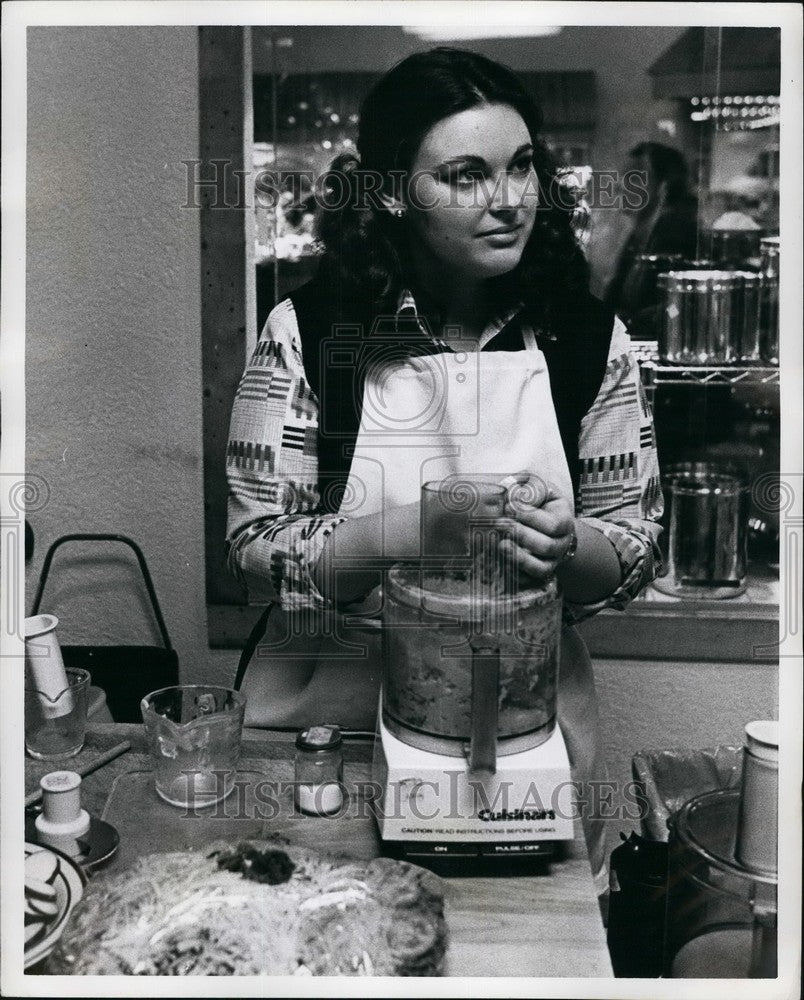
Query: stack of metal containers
x=713, y=316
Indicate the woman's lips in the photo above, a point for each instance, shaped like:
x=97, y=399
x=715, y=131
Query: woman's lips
x=502, y=236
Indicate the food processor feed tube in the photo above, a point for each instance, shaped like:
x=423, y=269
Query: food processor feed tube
x=485, y=685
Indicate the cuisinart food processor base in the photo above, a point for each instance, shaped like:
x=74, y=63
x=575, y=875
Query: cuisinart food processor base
x=433, y=806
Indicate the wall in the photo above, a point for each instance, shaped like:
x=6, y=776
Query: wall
x=662, y=704
x=113, y=360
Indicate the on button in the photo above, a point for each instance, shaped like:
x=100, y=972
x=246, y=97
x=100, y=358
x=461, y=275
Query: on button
x=441, y=850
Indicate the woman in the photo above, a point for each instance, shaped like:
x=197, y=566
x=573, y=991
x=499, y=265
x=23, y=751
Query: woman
x=666, y=223
x=451, y=264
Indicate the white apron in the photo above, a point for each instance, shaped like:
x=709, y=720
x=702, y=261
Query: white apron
x=479, y=413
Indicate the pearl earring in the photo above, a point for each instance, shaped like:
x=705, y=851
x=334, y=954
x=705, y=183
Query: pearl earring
x=398, y=213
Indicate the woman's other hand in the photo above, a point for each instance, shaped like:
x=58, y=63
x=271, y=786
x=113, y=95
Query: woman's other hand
x=538, y=527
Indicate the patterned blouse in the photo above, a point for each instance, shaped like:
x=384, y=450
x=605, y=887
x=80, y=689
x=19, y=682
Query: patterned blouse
x=277, y=527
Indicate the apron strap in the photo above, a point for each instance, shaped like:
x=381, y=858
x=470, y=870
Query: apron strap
x=529, y=338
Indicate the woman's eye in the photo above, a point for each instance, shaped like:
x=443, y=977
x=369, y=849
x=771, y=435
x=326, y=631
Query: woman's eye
x=465, y=176
x=522, y=166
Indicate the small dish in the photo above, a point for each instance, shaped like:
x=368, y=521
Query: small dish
x=66, y=887
x=99, y=845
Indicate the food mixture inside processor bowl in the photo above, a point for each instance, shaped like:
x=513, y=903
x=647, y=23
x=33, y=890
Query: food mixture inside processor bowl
x=430, y=619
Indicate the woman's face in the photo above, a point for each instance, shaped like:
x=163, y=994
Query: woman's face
x=473, y=193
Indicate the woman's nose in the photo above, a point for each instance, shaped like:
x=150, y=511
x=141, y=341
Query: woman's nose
x=500, y=194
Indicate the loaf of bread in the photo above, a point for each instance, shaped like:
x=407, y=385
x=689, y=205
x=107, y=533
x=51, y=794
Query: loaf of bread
x=258, y=908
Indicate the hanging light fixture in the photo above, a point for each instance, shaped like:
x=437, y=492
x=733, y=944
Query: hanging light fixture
x=451, y=32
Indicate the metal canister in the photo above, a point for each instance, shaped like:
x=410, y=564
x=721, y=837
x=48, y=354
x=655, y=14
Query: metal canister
x=707, y=549
x=702, y=311
x=747, y=340
x=681, y=310
x=734, y=247
x=666, y=329
x=769, y=299
x=723, y=318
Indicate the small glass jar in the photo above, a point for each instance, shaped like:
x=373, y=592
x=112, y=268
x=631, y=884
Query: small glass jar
x=319, y=770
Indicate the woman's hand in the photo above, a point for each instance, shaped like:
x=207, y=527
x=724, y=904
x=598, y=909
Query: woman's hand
x=538, y=525
x=381, y=539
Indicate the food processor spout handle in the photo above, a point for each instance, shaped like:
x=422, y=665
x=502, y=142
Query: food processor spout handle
x=485, y=688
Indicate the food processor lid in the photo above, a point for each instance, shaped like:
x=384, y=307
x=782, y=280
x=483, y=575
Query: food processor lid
x=433, y=591
x=762, y=739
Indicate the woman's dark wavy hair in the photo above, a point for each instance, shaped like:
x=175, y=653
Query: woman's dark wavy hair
x=365, y=259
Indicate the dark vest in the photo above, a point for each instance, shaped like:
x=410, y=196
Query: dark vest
x=336, y=356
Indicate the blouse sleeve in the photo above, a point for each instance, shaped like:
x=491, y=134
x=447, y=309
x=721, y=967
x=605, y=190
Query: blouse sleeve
x=276, y=529
x=620, y=492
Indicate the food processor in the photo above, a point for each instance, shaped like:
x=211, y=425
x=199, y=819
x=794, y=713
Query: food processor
x=470, y=759
x=723, y=873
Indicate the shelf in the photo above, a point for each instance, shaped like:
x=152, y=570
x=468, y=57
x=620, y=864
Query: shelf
x=698, y=632
x=654, y=373
x=655, y=626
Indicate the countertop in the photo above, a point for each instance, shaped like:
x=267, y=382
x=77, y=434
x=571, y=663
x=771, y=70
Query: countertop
x=544, y=923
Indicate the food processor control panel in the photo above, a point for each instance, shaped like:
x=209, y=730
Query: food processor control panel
x=538, y=849
x=432, y=805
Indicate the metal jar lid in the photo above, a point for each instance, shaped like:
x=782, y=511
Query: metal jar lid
x=659, y=258
x=318, y=739
x=769, y=253
x=709, y=279
x=701, y=264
